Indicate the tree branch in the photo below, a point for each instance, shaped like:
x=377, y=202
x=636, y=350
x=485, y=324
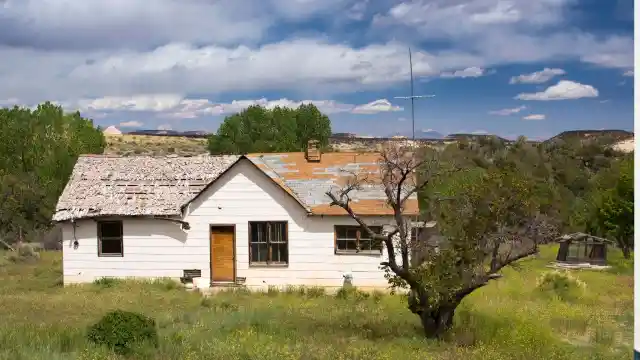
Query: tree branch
x=401, y=272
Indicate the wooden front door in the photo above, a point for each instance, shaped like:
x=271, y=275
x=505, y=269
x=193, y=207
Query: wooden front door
x=223, y=259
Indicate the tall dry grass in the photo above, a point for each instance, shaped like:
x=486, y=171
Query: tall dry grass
x=510, y=319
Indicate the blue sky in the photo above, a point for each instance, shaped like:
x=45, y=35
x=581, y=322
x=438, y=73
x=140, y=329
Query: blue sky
x=507, y=67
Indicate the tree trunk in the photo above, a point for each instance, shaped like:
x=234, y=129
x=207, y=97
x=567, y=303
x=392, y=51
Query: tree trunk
x=436, y=323
x=626, y=251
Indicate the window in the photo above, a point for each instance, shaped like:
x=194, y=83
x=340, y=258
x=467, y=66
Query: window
x=110, y=238
x=268, y=242
x=352, y=240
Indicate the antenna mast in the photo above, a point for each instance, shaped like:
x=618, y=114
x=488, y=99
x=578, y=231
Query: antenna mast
x=412, y=97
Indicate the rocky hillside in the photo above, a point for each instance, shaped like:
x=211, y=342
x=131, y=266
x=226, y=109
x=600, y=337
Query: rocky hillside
x=618, y=135
x=195, y=144
x=127, y=144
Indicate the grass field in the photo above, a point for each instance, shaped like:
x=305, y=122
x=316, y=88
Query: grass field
x=509, y=319
x=154, y=145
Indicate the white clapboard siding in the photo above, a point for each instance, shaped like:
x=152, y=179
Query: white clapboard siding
x=159, y=248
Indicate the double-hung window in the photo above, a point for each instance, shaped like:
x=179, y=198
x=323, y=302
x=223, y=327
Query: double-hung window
x=268, y=243
x=110, y=238
x=354, y=240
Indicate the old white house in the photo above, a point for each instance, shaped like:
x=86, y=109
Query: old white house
x=257, y=220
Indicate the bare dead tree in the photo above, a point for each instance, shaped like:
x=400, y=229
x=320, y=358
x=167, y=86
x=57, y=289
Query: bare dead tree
x=486, y=229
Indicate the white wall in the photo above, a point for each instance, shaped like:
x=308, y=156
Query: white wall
x=155, y=248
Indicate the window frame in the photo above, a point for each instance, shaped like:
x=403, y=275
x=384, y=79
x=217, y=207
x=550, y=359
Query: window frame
x=269, y=262
x=101, y=238
x=358, y=230
x=414, y=234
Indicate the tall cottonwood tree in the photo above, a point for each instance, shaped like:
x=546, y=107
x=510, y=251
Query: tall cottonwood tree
x=38, y=149
x=282, y=129
x=487, y=219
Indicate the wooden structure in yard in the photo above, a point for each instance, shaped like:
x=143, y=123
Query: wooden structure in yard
x=581, y=248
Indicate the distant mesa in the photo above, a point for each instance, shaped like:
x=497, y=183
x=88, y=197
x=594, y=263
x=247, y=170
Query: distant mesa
x=112, y=130
x=426, y=135
x=190, y=134
x=422, y=135
x=618, y=135
x=461, y=136
x=344, y=135
x=430, y=135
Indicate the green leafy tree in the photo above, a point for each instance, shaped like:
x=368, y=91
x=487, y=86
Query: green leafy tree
x=311, y=124
x=281, y=129
x=608, y=211
x=487, y=217
x=38, y=149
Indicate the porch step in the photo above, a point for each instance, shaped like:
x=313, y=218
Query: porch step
x=224, y=284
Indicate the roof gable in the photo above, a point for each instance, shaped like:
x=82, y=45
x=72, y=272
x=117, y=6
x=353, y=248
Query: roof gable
x=280, y=184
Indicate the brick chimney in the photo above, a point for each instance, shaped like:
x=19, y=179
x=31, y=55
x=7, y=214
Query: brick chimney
x=313, y=153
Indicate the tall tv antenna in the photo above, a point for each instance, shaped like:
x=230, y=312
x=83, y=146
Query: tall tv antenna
x=412, y=98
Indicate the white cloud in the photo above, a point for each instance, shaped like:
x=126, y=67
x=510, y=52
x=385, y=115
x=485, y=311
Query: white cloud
x=92, y=49
x=473, y=71
x=178, y=107
x=34, y=75
x=102, y=24
x=10, y=102
x=502, y=32
x=164, y=127
x=357, y=11
x=182, y=68
x=402, y=119
x=537, y=77
x=506, y=112
x=563, y=90
x=628, y=73
x=131, y=124
x=480, y=132
x=614, y=59
x=445, y=19
x=382, y=105
x=155, y=103
x=534, y=117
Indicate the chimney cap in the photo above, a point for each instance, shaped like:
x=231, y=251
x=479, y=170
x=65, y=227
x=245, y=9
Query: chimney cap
x=313, y=153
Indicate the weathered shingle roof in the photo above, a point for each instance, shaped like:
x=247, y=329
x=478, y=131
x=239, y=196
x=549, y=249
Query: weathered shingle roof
x=310, y=181
x=136, y=185
x=103, y=185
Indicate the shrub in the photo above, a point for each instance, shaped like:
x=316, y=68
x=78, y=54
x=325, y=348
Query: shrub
x=122, y=330
x=316, y=291
x=377, y=295
x=105, y=282
x=224, y=306
x=24, y=253
x=273, y=290
x=295, y=290
x=561, y=283
x=351, y=292
x=166, y=284
x=206, y=302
